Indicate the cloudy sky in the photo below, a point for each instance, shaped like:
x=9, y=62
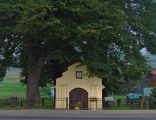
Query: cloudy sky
x=151, y=58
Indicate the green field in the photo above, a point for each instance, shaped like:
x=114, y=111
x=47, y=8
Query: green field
x=124, y=107
x=11, y=86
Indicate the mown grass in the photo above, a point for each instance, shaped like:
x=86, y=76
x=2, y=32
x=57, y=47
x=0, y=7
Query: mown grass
x=119, y=97
x=124, y=107
x=11, y=87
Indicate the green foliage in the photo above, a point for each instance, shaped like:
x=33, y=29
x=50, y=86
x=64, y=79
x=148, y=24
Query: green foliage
x=2, y=73
x=153, y=94
x=153, y=98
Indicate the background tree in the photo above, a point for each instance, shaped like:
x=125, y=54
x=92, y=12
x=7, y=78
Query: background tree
x=153, y=98
x=139, y=32
x=95, y=32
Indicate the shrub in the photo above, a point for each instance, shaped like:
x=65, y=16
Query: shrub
x=153, y=98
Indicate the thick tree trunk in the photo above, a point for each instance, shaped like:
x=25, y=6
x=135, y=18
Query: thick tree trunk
x=33, y=95
x=35, y=68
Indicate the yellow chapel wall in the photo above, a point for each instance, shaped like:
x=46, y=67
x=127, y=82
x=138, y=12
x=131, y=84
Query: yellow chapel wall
x=68, y=82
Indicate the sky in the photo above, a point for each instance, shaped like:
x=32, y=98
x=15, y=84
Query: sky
x=151, y=58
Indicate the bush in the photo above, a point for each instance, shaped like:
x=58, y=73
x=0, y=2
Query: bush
x=153, y=98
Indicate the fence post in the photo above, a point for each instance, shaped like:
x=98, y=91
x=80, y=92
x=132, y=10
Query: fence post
x=66, y=102
x=96, y=103
x=43, y=101
x=118, y=102
x=21, y=102
x=53, y=100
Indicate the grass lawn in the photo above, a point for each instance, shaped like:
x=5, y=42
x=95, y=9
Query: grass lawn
x=124, y=107
x=11, y=87
x=119, y=97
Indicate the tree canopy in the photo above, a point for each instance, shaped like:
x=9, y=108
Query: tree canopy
x=104, y=35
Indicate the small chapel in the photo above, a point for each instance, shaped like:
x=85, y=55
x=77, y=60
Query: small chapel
x=75, y=90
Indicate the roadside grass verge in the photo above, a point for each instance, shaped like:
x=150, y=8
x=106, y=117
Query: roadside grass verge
x=124, y=107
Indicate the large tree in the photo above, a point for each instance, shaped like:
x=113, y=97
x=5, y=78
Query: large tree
x=98, y=33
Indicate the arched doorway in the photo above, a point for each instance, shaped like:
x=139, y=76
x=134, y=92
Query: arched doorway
x=78, y=95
